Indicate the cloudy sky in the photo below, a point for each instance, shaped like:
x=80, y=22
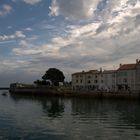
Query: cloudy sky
x=71, y=35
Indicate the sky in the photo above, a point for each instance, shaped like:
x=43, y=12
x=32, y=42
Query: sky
x=71, y=35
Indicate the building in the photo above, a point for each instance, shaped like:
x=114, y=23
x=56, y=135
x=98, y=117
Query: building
x=108, y=80
x=86, y=80
x=78, y=81
x=138, y=75
x=94, y=80
x=126, y=77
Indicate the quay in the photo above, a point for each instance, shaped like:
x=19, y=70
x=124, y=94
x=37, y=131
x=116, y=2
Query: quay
x=61, y=92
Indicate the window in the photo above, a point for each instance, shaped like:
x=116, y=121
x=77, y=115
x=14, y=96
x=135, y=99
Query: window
x=89, y=76
x=76, y=81
x=125, y=80
x=81, y=81
x=95, y=81
x=113, y=75
x=89, y=81
x=102, y=81
x=125, y=73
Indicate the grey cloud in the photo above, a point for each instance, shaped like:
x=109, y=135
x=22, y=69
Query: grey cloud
x=5, y=9
x=88, y=47
x=132, y=2
x=74, y=9
x=9, y=76
x=107, y=10
x=137, y=21
x=102, y=28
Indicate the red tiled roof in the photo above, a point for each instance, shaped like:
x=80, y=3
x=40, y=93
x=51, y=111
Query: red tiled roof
x=127, y=67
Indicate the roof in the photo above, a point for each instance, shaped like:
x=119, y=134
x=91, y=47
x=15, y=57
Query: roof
x=108, y=71
x=87, y=72
x=127, y=67
x=77, y=73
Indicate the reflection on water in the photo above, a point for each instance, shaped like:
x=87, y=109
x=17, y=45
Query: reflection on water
x=29, y=117
x=53, y=107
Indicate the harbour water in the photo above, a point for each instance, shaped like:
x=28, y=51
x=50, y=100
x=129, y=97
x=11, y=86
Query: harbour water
x=54, y=118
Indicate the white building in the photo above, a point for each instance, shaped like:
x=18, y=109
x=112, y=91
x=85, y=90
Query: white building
x=108, y=80
x=125, y=78
x=86, y=80
x=94, y=80
x=78, y=81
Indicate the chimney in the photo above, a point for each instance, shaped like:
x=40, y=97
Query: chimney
x=100, y=69
x=120, y=65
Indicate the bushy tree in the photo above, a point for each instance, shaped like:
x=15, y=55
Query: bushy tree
x=55, y=75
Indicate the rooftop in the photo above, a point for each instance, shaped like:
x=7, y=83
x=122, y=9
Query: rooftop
x=127, y=67
x=86, y=72
x=108, y=71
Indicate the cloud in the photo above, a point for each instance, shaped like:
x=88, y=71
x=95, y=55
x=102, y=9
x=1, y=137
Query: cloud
x=83, y=48
x=28, y=29
x=137, y=20
x=16, y=35
x=112, y=37
x=5, y=9
x=32, y=2
x=74, y=9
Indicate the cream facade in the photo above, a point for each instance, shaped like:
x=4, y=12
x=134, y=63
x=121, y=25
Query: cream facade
x=94, y=80
x=85, y=80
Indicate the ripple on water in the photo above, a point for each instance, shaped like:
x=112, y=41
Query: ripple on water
x=67, y=119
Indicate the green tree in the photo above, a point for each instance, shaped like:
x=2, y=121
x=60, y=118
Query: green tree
x=55, y=75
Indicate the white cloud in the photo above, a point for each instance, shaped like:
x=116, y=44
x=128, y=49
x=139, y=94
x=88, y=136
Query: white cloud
x=32, y=2
x=16, y=35
x=5, y=9
x=19, y=34
x=9, y=27
x=28, y=29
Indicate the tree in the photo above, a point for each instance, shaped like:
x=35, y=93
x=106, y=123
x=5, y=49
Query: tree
x=40, y=82
x=55, y=75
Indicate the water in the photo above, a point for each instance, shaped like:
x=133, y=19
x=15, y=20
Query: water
x=34, y=118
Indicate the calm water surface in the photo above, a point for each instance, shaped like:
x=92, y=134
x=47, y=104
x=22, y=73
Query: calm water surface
x=32, y=118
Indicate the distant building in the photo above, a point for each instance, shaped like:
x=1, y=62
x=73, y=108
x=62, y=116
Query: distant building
x=125, y=78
